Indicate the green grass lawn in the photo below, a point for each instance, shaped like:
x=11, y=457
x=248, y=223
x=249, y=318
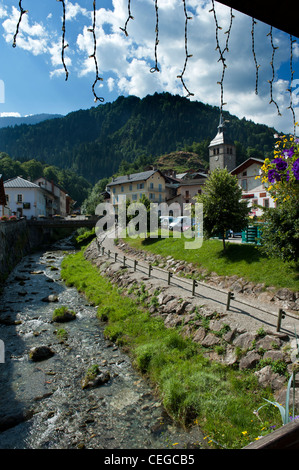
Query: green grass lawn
x=194, y=390
x=244, y=260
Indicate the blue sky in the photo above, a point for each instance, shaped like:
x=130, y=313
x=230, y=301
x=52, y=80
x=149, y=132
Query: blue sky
x=33, y=78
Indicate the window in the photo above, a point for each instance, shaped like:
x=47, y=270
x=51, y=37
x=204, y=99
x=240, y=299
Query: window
x=134, y=197
x=20, y=198
x=244, y=173
x=266, y=203
x=113, y=190
x=186, y=193
x=151, y=185
x=7, y=197
x=122, y=189
x=151, y=195
x=160, y=187
x=131, y=187
x=140, y=185
x=244, y=185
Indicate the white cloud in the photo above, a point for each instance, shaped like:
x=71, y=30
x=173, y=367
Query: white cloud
x=126, y=61
x=130, y=58
x=10, y=114
x=31, y=37
x=73, y=10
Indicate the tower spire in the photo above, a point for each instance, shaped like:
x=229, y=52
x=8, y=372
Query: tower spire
x=222, y=151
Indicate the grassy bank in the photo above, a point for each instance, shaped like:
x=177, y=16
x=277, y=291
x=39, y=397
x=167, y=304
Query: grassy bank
x=194, y=390
x=244, y=260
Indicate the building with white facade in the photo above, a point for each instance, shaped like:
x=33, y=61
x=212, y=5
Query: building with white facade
x=57, y=199
x=252, y=187
x=24, y=198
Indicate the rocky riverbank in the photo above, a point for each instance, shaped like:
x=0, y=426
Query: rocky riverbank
x=63, y=385
x=268, y=353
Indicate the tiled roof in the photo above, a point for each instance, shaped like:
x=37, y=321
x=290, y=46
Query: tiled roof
x=19, y=182
x=144, y=175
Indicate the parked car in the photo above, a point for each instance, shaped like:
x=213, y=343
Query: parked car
x=181, y=223
x=232, y=234
x=166, y=220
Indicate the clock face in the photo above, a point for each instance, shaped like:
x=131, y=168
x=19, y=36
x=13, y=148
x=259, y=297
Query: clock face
x=216, y=158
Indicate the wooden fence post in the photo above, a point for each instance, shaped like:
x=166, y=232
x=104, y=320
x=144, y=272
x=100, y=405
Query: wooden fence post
x=281, y=315
x=230, y=296
x=194, y=284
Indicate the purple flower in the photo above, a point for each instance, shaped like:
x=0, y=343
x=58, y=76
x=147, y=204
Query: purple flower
x=288, y=153
x=296, y=169
x=273, y=176
x=281, y=164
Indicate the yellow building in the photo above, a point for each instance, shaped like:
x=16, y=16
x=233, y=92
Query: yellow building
x=150, y=183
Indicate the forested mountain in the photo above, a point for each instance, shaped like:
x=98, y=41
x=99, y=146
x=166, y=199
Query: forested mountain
x=6, y=121
x=94, y=142
x=76, y=186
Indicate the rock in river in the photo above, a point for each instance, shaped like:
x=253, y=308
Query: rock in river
x=40, y=353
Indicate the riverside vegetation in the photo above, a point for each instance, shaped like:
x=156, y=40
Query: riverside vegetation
x=195, y=391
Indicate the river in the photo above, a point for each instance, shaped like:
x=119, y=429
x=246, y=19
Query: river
x=43, y=404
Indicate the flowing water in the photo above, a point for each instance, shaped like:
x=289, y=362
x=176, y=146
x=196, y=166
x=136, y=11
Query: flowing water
x=42, y=404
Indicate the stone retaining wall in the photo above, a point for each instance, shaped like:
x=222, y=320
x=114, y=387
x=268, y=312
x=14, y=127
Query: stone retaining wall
x=284, y=298
x=14, y=244
x=268, y=352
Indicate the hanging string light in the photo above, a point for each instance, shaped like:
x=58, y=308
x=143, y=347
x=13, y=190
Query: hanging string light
x=273, y=72
x=187, y=55
x=221, y=52
x=130, y=17
x=156, y=68
x=22, y=12
x=94, y=55
x=63, y=43
x=290, y=89
x=257, y=66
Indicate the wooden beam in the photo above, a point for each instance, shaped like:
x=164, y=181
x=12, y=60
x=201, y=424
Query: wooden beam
x=286, y=437
x=283, y=17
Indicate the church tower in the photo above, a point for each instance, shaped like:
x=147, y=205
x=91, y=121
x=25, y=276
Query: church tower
x=222, y=152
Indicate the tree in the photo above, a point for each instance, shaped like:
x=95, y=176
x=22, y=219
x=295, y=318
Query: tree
x=95, y=197
x=280, y=235
x=223, y=206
